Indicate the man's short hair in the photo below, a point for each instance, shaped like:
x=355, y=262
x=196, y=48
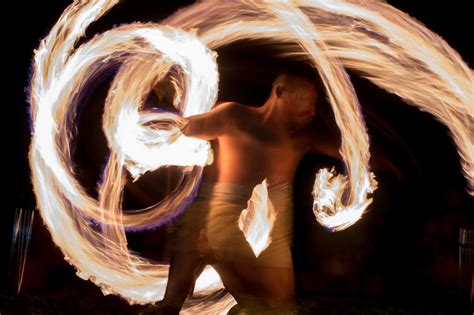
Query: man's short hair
x=297, y=74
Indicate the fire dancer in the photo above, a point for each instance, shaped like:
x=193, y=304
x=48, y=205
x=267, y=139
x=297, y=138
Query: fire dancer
x=249, y=144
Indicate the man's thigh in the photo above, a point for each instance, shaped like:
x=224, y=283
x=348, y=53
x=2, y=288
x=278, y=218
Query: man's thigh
x=274, y=286
x=278, y=285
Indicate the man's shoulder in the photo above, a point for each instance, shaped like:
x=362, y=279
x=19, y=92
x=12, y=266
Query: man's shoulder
x=229, y=105
x=233, y=109
x=240, y=116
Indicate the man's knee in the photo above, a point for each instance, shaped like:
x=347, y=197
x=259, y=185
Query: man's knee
x=278, y=285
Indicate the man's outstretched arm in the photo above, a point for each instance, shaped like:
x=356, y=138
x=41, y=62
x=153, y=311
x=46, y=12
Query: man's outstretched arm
x=208, y=126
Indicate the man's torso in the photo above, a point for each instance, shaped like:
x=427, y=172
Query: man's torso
x=254, y=150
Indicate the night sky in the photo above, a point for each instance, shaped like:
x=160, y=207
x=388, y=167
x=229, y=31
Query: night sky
x=403, y=252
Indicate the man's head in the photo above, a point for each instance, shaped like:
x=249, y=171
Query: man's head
x=296, y=95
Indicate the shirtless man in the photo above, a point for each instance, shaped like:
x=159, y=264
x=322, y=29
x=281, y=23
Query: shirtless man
x=251, y=144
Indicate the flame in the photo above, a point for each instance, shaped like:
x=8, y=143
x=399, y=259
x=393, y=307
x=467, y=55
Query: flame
x=256, y=221
x=378, y=41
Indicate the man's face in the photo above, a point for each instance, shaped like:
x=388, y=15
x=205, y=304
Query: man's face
x=302, y=105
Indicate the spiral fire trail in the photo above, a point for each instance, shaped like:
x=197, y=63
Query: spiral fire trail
x=378, y=41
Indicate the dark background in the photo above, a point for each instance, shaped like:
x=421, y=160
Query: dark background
x=401, y=257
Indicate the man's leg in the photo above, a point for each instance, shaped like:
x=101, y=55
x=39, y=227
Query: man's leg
x=279, y=286
x=186, y=260
x=184, y=269
x=182, y=274
x=266, y=281
x=274, y=288
x=248, y=279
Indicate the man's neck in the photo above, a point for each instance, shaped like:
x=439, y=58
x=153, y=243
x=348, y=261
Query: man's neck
x=273, y=116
